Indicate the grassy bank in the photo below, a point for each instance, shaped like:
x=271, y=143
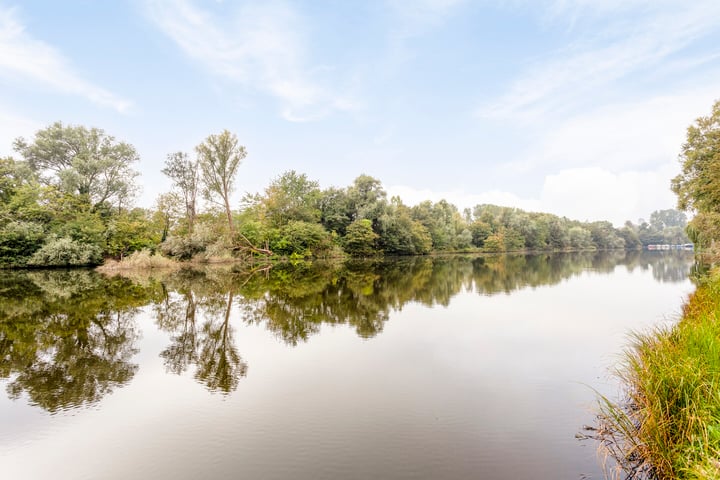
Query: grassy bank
x=668, y=427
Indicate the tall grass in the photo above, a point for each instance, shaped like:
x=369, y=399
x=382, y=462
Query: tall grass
x=668, y=427
x=140, y=260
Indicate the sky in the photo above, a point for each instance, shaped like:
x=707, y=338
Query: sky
x=574, y=107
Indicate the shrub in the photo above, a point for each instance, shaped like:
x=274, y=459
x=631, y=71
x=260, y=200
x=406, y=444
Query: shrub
x=19, y=240
x=302, y=238
x=184, y=248
x=65, y=252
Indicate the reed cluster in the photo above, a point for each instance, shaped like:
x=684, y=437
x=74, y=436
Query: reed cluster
x=668, y=426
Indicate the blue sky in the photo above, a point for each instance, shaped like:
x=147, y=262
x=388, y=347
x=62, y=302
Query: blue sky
x=576, y=107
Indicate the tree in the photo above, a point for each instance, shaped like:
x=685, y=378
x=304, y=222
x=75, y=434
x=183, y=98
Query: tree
x=219, y=157
x=167, y=210
x=335, y=210
x=291, y=197
x=82, y=161
x=185, y=174
x=367, y=198
x=698, y=184
x=662, y=219
x=360, y=238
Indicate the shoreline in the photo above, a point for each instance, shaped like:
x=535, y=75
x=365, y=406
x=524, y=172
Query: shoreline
x=668, y=426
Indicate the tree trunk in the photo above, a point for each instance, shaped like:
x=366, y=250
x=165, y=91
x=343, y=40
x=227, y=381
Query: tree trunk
x=229, y=214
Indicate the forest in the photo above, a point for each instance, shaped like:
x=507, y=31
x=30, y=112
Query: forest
x=67, y=200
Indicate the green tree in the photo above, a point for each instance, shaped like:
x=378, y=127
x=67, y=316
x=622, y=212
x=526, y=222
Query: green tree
x=698, y=184
x=367, y=198
x=185, y=175
x=130, y=231
x=335, y=210
x=360, y=238
x=18, y=241
x=219, y=157
x=82, y=161
x=400, y=234
x=291, y=197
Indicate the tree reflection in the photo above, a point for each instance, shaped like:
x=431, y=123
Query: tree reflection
x=67, y=337
x=219, y=364
x=209, y=346
x=294, y=301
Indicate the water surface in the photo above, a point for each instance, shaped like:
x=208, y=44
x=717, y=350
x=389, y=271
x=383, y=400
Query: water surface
x=447, y=367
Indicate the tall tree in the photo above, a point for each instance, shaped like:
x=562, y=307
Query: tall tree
x=220, y=156
x=82, y=161
x=185, y=174
x=698, y=184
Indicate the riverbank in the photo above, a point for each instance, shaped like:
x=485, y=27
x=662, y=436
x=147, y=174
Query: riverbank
x=668, y=427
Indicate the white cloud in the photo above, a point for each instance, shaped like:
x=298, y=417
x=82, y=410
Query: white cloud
x=462, y=199
x=586, y=194
x=633, y=135
x=260, y=45
x=574, y=75
x=597, y=194
x=27, y=59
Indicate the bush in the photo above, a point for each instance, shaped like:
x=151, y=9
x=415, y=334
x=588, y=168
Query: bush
x=360, y=239
x=303, y=239
x=140, y=260
x=65, y=252
x=184, y=248
x=19, y=240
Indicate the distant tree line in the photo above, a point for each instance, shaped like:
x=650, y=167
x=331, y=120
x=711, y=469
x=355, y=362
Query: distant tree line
x=68, y=201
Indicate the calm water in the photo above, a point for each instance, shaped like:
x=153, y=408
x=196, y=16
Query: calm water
x=433, y=368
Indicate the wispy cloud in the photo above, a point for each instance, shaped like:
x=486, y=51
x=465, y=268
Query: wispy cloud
x=636, y=134
x=415, y=17
x=261, y=46
x=25, y=58
x=626, y=45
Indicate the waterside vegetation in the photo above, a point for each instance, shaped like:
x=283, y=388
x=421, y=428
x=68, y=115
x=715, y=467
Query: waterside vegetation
x=668, y=426
x=68, y=201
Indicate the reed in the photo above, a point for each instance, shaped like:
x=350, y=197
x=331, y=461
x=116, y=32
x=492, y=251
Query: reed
x=668, y=426
x=140, y=260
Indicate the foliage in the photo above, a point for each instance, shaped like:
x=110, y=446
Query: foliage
x=219, y=157
x=698, y=184
x=66, y=252
x=129, y=232
x=302, y=239
x=360, y=239
x=82, y=161
x=185, y=175
x=186, y=247
x=18, y=241
x=291, y=197
x=74, y=182
x=400, y=234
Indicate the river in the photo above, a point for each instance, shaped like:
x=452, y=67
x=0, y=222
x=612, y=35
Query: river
x=450, y=367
